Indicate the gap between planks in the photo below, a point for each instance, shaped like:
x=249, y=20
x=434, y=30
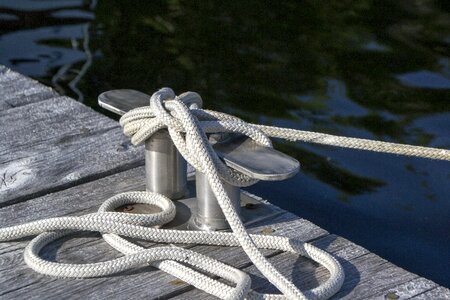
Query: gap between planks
x=61, y=144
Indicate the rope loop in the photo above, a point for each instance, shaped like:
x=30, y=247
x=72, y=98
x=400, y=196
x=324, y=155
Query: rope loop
x=185, y=264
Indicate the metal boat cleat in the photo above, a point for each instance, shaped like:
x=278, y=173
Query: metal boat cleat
x=166, y=169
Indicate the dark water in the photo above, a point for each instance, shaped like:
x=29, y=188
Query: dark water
x=371, y=69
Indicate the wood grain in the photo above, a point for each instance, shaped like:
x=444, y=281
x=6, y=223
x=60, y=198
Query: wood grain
x=55, y=144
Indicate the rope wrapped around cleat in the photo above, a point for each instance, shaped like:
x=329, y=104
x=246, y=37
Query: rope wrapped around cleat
x=187, y=126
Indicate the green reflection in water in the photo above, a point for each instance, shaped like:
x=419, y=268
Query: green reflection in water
x=256, y=59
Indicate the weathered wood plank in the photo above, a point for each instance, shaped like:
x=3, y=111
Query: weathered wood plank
x=287, y=224
x=18, y=281
x=406, y=290
x=305, y=273
x=16, y=278
x=17, y=90
x=438, y=293
x=145, y=282
x=55, y=144
x=77, y=200
x=367, y=275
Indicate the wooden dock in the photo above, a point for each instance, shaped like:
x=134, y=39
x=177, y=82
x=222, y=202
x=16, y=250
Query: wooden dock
x=59, y=157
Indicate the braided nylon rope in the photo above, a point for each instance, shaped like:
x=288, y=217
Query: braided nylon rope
x=187, y=127
x=355, y=143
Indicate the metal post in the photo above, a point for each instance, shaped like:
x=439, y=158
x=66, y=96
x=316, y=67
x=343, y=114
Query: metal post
x=209, y=214
x=165, y=168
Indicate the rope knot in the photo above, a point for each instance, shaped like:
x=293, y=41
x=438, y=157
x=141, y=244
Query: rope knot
x=188, y=126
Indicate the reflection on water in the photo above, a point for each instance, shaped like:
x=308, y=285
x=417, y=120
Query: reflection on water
x=372, y=69
x=53, y=40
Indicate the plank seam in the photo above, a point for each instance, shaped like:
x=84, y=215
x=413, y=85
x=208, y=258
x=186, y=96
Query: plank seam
x=424, y=292
x=37, y=102
x=389, y=289
x=13, y=290
x=45, y=98
x=64, y=186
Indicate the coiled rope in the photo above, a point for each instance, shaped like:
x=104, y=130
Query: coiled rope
x=187, y=128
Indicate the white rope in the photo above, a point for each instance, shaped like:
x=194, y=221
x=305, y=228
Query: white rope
x=106, y=220
x=355, y=143
x=187, y=128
